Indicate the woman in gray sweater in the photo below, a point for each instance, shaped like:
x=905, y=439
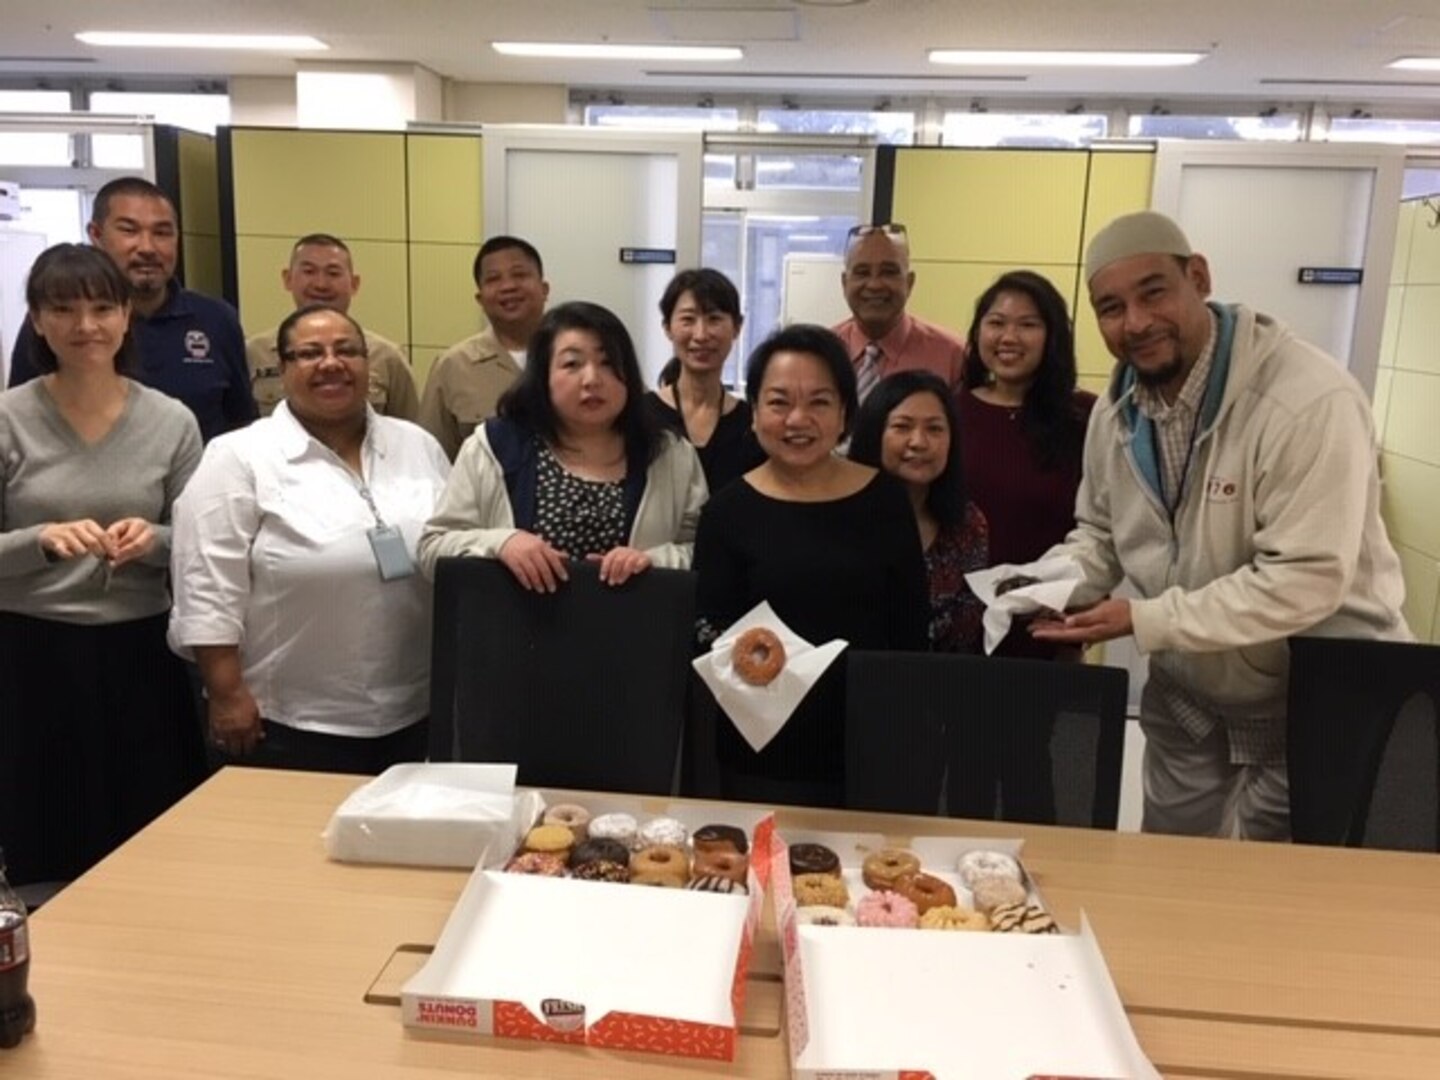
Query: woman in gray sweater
x=97, y=731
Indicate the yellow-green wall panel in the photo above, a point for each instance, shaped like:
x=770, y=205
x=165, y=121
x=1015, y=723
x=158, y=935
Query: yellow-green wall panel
x=1422, y=590
x=1412, y=426
x=202, y=264
x=442, y=294
x=380, y=305
x=446, y=192
x=1015, y=207
x=1380, y=404
x=1404, y=240
x=1120, y=183
x=199, y=184
x=1424, y=266
x=1411, y=503
x=945, y=292
x=1417, y=339
x=1095, y=384
x=1390, y=329
x=350, y=183
x=422, y=359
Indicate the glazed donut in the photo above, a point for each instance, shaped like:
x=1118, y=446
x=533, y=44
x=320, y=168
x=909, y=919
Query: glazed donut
x=1022, y=919
x=813, y=859
x=599, y=849
x=725, y=864
x=602, y=870
x=542, y=863
x=614, y=827
x=885, y=908
x=925, y=891
x=664, y=831
x=553, y=839
x=820, y=890
x=660, y=861
x=882, y=868
x=720, y=838
x=757, y=656
x=824, y=916
x=575, y=818
x=975, y=865
x=996, y=892
x=953, y=918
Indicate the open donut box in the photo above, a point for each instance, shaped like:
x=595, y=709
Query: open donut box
x=886, y=1004
x=590, y=963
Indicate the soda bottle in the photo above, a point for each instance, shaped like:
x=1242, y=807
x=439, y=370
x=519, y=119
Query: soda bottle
x=17, y=1007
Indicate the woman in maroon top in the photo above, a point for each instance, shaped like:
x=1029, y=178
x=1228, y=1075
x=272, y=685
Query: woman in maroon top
x=1022, y=424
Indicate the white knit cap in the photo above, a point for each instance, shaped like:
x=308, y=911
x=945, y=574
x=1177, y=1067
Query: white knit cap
x=1145, y=233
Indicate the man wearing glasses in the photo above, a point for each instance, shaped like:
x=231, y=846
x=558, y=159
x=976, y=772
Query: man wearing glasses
x=881, y=337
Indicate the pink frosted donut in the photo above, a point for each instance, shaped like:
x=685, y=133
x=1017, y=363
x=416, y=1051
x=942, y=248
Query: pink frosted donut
x=887, y=909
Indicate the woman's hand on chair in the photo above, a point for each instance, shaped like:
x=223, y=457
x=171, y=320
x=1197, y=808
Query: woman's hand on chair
x=536, y=565
x=619, y=565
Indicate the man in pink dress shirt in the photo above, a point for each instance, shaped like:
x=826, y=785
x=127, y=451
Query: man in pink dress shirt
x=881, y=337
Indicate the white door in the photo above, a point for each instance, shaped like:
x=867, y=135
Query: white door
x=600, y=206
x=18, y=250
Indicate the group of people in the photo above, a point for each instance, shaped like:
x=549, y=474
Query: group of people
x=1229, y=475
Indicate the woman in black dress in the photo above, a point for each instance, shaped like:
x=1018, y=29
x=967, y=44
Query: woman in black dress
x=830, y=543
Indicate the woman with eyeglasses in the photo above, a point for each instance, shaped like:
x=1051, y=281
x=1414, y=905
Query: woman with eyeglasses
x=97, y=727
x=297, y=587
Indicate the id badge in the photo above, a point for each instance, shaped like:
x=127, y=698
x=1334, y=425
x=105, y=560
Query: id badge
x=391, y=556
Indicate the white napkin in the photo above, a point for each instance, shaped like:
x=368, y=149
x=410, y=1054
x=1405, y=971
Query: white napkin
x=759, y=712
x=1056, y=579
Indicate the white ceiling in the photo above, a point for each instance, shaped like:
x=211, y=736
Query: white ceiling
x=1274, y=51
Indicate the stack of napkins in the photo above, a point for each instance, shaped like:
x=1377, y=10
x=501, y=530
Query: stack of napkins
x=1056, y=579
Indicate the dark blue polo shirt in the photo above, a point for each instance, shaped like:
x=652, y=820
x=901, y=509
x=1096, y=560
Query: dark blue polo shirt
x=192, y=348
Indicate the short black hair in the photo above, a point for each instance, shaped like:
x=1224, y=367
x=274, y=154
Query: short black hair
x=507, y=243
x=946, y=497
x=319, y=239
x=713, y=292
x=127, y=185
x=527, y=402
x=69, y=272
x=819, y=343
x=287, y=325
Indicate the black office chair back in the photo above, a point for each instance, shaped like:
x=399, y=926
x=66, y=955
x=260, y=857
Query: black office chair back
x=916, y=721
x=1363, y=745
x=583, y=687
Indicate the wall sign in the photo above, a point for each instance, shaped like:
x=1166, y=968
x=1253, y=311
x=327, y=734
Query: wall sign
x=647, y=256
x=1331, y=275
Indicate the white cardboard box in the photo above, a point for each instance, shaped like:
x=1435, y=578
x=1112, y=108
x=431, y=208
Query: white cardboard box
x=598, y=964
x=879, y=1004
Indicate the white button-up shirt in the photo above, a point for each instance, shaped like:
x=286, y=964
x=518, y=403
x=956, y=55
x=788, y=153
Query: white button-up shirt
x=270, y=552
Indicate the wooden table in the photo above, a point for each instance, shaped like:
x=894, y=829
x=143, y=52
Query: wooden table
x=221, y=944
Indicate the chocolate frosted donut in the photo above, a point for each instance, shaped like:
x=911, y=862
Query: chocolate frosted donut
x=720, y=838
x=602, y=870
x=724, y=864
x=1019, y=581
x=600, y=849
x=813, y=859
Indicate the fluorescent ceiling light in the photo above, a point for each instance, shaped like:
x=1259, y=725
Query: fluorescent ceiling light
x=270, y=42
x=1416, y=63
x=1064, y=58
x=567, y=50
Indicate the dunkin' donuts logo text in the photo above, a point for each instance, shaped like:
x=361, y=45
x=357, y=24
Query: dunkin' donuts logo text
x=455, y=1014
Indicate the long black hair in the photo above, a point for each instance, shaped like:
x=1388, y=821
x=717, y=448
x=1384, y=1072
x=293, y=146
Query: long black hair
x=946, y=497
x=1053, y=424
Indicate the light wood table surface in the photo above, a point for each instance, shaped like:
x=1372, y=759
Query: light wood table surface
x=220, y=944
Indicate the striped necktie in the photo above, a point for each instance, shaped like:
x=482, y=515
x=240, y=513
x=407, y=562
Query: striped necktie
x=867, y=371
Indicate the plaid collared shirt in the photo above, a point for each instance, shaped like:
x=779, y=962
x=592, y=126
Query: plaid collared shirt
x=1252, y=740
x=1178, y=424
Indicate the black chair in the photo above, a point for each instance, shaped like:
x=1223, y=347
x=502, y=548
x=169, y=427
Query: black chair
x=584, y=687
x=915, y=722
x=1363, y=748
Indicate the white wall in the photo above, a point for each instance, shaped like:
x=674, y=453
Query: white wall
x=505, y=103
x=262, y=101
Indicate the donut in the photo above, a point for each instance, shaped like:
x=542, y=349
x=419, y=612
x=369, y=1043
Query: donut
x=660, y=861
x=975, y=865
x=1022, y=919
x=614, y=827
x=575, y=818
x=925, y=891
x=882, y=868
x=1010, y=584
x=599, y=849
x=664, y=831
x=720, y=838
x=654, y=877
x=820, y=890
x=724, y=864
x=541, y=863
x=885, y=908
x=602, y=870
x=813, y=859
x=710, y=883
x=824, y=916
x=556, y=839
x=953, y=918
x=995, y=892
x=757, y=656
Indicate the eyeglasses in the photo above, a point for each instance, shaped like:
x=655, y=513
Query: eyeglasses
x=892, y=229
x=346, y=351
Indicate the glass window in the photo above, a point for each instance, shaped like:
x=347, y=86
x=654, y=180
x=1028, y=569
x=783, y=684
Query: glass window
x=197, y=112
x=1282, y=128
x=1022, y=129
x=59, y=213
x=40, y=148
x=1368, y=129
x=830, y=171
x=662, y=117
x=896, y=128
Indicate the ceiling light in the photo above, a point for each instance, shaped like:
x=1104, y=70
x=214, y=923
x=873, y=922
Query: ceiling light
x=568, y=50
x=1066, y=58
x=270, y=42
x=1416, y=63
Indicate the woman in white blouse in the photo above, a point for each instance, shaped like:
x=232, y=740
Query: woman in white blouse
x=296, y=585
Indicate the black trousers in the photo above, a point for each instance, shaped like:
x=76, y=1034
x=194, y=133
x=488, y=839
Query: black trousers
x=290, y=748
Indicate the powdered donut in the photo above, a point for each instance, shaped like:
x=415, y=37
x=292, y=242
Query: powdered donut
x=888, y=909
x=665, y=831
x=995, y=892
x=975, y=865
x=758, y=656
x=615, y=827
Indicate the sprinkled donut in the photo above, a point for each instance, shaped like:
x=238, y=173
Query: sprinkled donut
x=541, y=863
x=925, y=891
x=758, y=656
x=614, y=827
x=953, y=918
x=888, y=909
x=975, y=865
x=820, y=890
x=602, y=870
x=599, y=849
x=882, y=868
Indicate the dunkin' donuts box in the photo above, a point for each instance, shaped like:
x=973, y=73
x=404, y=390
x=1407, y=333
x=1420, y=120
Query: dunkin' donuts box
x=871, y=1003
x=593, y=963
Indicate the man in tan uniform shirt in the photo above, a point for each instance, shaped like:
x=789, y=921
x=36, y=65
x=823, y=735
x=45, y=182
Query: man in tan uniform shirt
x=321, y=272
x=467, y=379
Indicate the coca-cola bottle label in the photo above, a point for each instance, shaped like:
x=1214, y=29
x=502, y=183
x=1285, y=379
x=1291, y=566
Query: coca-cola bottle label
x=14, y=946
